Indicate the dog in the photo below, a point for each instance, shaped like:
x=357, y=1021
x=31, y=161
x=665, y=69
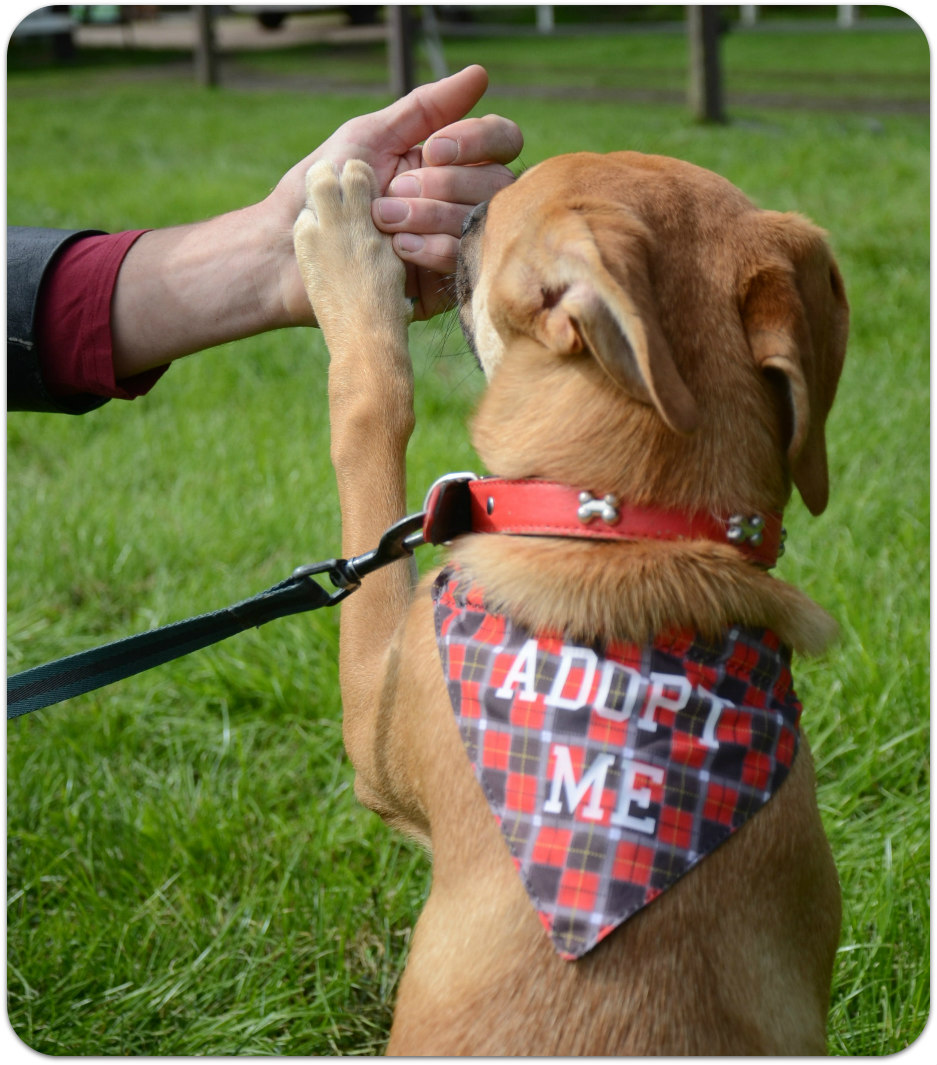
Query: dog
x=661, y=357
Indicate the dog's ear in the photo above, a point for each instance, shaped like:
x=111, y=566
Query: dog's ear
x=796, y=319
x=574, y=303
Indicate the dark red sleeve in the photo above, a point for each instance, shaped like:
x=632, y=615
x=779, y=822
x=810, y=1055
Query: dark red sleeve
x=73, y=326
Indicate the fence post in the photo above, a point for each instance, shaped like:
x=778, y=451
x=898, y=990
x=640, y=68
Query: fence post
x=705, y=88
x=400, y=34
x=206, y=55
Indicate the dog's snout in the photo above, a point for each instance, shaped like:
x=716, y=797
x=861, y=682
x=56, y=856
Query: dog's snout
x=474, y=218
x=466, y=267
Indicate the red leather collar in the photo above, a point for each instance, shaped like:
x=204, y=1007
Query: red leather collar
x=463, y=503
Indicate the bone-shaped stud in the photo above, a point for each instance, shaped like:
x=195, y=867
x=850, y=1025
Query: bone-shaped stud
x=590, y=507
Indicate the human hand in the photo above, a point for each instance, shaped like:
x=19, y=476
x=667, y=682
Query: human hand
x=427, y=191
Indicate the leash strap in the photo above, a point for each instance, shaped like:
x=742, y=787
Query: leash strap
x=86, y=671
x=77, y=674
x=54, y=682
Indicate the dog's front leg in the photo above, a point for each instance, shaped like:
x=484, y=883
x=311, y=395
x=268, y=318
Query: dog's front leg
x=355, y=283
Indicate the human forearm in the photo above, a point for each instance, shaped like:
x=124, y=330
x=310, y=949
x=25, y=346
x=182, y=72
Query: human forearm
x=188, y=288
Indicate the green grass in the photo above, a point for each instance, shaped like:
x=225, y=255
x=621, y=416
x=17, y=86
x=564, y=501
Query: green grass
x=188, y=871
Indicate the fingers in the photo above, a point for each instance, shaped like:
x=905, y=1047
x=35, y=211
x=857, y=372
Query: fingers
x=491, y=139
x=433, y=252
x=426, y=208
x=462, y=168
x=419, y=216
x=436, y=200
x=449, y=184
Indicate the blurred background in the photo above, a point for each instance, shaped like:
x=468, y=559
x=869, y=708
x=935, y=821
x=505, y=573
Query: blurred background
x=413, y=42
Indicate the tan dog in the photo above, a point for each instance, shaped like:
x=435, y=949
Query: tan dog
x=650, y=336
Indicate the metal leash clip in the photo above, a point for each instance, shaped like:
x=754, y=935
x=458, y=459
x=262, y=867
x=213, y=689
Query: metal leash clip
x=397, y=542
x=446, y=513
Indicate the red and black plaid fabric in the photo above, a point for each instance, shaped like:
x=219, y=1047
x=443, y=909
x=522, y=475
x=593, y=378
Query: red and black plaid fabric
x=612, y=770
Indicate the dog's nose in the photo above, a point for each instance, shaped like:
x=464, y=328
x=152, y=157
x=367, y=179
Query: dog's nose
x=475, y=217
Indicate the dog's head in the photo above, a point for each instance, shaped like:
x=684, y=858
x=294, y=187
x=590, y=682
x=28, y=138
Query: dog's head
x=646, y=329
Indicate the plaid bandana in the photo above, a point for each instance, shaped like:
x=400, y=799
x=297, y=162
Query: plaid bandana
x=612, y=770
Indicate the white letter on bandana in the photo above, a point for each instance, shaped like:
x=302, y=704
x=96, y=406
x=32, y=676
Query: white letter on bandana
x=712, y=718
x=628, y=794
x=634, y=683
x=658, y=699
x=569, y=656
x=523, y=672
x=593, y=781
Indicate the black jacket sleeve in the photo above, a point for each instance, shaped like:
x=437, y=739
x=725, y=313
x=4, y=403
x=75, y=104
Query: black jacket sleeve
x=30, y=252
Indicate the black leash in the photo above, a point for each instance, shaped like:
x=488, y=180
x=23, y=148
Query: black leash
x=86, y=671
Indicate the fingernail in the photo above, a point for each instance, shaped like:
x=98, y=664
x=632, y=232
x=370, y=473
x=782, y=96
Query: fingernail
x=406, y=186
x=441, y=150
x=409, y=242
x=392, y=211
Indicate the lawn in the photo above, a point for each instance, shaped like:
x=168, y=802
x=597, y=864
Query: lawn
x=188, y=870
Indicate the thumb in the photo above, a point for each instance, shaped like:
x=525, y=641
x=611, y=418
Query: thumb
x=413, y=117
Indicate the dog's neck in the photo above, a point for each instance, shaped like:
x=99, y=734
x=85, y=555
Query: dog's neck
x=536, y=420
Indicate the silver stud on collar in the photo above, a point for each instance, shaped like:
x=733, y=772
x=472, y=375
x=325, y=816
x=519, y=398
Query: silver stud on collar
x=746, y=530
x=590, y=508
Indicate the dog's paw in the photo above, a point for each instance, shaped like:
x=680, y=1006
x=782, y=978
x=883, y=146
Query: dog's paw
x=351, y=272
